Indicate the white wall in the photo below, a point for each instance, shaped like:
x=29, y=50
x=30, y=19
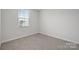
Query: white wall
x=63, y=24
x=10, y=27
x=0, y=27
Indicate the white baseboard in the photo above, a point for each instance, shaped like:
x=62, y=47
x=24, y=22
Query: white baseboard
x=44, y=34
x=16, y=38
x=73, y=41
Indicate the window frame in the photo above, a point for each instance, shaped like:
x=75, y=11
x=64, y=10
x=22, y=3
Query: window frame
x=28, y=21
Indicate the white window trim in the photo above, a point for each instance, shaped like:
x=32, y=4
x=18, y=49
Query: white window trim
x=24, y=21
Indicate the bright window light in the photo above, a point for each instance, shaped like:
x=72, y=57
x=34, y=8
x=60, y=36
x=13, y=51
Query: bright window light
x=23, y=17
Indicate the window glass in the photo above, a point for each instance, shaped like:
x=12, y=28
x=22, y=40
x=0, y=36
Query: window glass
x=23, y=17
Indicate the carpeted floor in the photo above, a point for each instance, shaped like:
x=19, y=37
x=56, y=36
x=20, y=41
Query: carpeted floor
x=39, y=42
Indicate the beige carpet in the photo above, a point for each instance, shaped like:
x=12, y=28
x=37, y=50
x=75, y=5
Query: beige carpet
x=39, y=42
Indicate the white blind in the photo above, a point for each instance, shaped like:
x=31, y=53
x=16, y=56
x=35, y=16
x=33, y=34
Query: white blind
x=23, y=16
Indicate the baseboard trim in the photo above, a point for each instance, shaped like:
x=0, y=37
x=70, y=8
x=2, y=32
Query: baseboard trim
x=76, y=42
x=17, y=38
x=40, y=33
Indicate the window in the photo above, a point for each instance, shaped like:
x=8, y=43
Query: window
x=23, y=17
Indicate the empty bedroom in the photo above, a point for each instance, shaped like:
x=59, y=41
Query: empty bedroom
x=39, y=29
